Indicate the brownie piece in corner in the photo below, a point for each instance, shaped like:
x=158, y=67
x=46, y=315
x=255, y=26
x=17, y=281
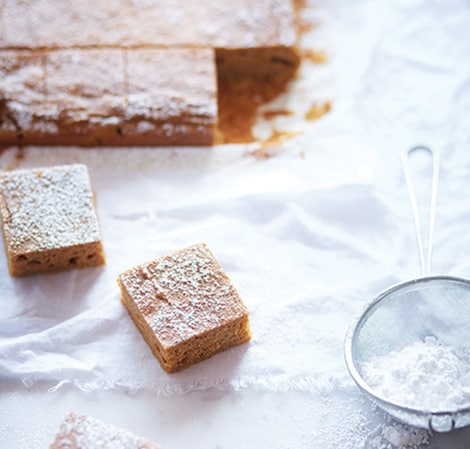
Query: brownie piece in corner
x=49, y=220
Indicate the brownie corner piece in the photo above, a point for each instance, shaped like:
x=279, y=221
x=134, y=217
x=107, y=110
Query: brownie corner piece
x=49, y=220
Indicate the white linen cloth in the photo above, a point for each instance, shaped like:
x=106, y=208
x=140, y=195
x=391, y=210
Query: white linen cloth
x=307, y=236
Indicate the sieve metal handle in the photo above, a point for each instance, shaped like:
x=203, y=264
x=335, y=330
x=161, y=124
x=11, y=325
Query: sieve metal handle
x=425, y=260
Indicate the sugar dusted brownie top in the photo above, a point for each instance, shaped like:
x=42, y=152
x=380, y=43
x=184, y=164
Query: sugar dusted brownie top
x=172, y=85
x=47, y=208
x=141, y=23
x=108, y=96
x=193, y=294
x=79, y=431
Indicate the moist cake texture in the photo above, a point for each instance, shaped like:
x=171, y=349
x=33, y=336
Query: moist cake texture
x=134, y=72
x=185, y=307
x=49, y=220
x=80, y=431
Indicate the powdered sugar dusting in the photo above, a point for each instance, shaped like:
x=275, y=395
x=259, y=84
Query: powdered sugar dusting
x=160, y=88
x=184, y=294
x=140, y=23
x=424, y=374
x=129, y=92
x=390, y=435
x=399, y=436
x=92, y=64
x=15, y=78
x=80, y=431
x=48, y=208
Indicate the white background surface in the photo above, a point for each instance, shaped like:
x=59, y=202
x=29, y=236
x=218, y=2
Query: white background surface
x=308, y=236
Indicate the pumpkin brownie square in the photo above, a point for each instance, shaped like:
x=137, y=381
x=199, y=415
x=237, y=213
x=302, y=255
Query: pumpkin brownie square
x=85, y=96
x=49, y=220
x=185, y=307
x=80, y=431
x=171, y=97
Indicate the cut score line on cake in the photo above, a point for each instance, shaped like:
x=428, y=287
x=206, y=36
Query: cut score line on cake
x=248, y=53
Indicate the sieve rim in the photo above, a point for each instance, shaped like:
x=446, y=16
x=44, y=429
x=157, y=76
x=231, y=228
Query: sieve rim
x=355, y=328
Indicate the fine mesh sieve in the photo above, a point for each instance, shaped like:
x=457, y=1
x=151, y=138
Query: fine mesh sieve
x=428, y=306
